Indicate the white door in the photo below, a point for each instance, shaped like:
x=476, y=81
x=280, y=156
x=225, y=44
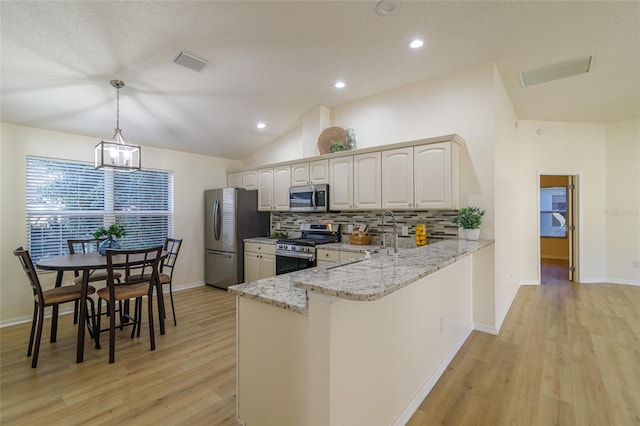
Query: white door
x=397, y=179
x=319, y=172
x=300, y=174
x=267, y=266
x=341, y=183
x=281, y=184
x=251, y=267
x=366, y=181
x=250, y=179
x=265, y=189
x=432, y=168
x=234, y=180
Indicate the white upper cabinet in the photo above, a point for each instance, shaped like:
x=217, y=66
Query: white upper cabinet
x=341, y=183
x=319, y=172
x=273, y=188
x=281, y=184
x=436, y=175
x=234, y=180
x=300, y=174
x=250, y=179
x=397, y=179
x=366, y=181
x=265, y=189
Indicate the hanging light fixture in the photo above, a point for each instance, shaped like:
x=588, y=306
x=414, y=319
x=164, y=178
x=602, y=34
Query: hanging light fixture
x=115, y=153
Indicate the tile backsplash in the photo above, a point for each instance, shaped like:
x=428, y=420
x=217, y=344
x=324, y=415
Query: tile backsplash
x=439, y=225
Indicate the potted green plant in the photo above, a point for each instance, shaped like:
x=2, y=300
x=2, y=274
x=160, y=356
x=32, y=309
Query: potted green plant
x=469, y=219
x=113, y=231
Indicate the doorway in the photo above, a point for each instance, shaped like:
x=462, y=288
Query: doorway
x=557, y=229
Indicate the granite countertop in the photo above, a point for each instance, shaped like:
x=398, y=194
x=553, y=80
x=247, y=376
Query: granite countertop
x=358, y=279
x=262, y=240
x=330, y=246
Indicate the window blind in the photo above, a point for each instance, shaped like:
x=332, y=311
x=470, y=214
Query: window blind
x=66, y=199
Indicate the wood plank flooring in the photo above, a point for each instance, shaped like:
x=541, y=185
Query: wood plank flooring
x=567, y=354
x=188, y=380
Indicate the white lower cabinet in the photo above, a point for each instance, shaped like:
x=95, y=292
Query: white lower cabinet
x=259, y=261
x=326, y=257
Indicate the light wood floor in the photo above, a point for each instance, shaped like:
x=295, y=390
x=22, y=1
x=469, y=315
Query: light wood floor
x=567, y=354
x=188, y=380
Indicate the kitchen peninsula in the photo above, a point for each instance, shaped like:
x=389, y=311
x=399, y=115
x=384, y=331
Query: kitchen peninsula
x=357, y=342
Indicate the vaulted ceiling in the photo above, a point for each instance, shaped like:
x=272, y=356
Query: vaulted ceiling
x=272, y=61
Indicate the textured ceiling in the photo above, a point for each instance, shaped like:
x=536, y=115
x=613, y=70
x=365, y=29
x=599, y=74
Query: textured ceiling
x=273, y=61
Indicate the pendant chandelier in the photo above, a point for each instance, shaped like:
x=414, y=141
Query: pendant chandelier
x=115, y=153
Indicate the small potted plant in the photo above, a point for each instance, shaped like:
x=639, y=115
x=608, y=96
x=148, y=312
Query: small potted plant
x=469, y=218
x=113, y=231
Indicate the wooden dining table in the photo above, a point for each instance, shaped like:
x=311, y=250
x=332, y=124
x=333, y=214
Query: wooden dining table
x=87, y=263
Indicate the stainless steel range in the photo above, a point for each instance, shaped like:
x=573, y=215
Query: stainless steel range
x=300, y=253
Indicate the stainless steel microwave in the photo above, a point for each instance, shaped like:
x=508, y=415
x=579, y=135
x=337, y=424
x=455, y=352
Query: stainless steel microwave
x=309, y=198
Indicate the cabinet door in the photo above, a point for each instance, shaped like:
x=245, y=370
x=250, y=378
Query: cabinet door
x=234, y=180
x=397, y=179
x=366, y=181
x=267, y=266
x=251, y=267
x=319, y=172
x=341, y=183
x=250, y=179
x=281, y=184
x=329, y=256
x=432, y=167
x=265, y=189
x=300, y=174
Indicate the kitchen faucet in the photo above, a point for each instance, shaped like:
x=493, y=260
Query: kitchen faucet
x=395, y=231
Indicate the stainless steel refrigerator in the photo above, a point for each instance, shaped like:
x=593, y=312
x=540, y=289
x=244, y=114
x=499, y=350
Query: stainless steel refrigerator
x=230, y=216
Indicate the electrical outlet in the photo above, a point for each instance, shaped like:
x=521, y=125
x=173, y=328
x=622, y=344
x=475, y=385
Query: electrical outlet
x=441, y=324
x=636, y=264
x=405, y=231
x=350, y=228
x=277, y=225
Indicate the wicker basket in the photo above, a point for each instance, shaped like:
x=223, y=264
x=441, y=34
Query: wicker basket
x=360, y=240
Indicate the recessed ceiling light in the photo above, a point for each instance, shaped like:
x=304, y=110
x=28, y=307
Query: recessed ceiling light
x=340, y=85
x=261, y=125
x=416, y=43
x=386, y=7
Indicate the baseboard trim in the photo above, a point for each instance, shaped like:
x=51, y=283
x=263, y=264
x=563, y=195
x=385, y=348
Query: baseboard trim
x=412, y=407
x=529, y=282
x=490, y=329
x=593, y=281
x=623, y=282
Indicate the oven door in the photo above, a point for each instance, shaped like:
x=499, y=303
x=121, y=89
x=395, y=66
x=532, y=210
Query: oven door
x=286, y=263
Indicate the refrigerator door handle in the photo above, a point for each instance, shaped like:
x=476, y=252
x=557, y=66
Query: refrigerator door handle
x=216, y=220
x=226, y=256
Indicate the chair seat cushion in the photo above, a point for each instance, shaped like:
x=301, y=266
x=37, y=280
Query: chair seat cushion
x=126, y=291
x=63, y=294
x=164, y=278
x=98, y=276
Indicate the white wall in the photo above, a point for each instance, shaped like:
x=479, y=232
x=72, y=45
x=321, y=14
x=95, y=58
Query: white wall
x=460, y=102
x=192, y=175
x=572, y=149
x=285, y=148
x=507, y=215
x=622, y=203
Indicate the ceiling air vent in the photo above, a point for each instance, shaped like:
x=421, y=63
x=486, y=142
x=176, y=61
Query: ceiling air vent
x=191, y=61
x=556, y=71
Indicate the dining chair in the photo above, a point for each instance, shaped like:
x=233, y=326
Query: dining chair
x=88, y=246
x=172, y=247
x=42, y=298
x=141, y=274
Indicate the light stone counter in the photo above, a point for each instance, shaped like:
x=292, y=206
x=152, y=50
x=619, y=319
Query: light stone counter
x=358, y=279
x=262, y=240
